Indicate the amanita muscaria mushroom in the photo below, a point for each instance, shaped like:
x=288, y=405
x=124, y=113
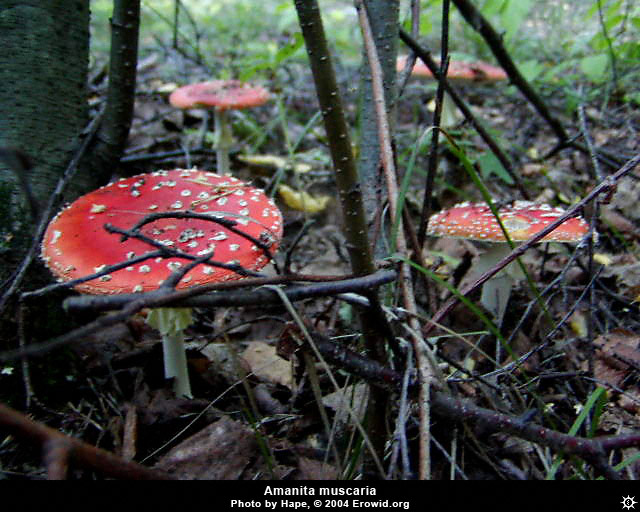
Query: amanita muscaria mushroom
x=76, y=244
x=222, y=95
x=458, y=71
x=522, y=220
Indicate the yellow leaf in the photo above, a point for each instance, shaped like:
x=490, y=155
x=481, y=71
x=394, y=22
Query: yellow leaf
x=603, y=259
x=273, y=162
x=578, y=323
x=163, y=87
x=302, y=200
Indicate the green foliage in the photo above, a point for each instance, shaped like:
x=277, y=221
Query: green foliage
x=594, y=67
x=490, y=165
x=271, y=56
x=512, y=14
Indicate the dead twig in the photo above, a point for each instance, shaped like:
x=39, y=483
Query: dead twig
x=130, y=304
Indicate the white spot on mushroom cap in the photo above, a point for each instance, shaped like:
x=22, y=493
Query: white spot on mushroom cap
x=98, y=208
x=174, y=265
x=56, y=236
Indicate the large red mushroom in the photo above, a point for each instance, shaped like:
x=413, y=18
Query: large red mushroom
x=222, y=96
x=521, y=220
x=205, y=215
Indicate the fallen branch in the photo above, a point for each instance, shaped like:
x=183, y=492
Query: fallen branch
x=59, y=450
x=130, y=304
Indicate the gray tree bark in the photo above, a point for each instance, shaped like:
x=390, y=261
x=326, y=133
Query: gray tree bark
x=43, y=107
x=383, y=17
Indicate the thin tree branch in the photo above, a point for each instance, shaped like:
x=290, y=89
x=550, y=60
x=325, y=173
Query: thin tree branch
x=114, y=130
x=128, y=305
x=349, y=192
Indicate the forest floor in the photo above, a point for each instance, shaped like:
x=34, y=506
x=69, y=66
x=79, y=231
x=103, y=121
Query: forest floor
x=255, y=415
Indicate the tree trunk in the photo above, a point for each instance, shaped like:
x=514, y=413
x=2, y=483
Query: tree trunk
x=383, y=17
x=43, y=107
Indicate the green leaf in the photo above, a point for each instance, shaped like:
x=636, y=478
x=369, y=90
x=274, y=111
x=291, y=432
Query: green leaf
x=594, y=67
x=594, y=405
x=514, y=14
x=289, y=49
x=492, y=7
x=531, y=69
x=489, y=164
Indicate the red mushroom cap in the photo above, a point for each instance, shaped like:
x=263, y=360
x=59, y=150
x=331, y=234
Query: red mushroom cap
x=459, y=70
x=76, y=243
x=522, y=220
x=222, y=94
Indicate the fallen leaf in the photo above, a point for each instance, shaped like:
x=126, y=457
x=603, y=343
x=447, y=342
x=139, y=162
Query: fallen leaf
x=220, y=451
x=303, y=201
x=274, y=162
x=617, y=356
x=349, y=397
x=603, y=259
x=309, y=469
x=267, y=365
x=578, y=323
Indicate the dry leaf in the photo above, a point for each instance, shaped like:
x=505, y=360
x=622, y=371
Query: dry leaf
x=578, y=323
x=309, y=469
x=267, y=365
x=348, y=397
x=617, y=354
x=220, y=451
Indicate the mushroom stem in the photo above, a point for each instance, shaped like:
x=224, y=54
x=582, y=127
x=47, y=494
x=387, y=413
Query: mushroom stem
x=450, y=115
x=175, y=364
x=223, y=141
x=171, y=322
x=496, y=291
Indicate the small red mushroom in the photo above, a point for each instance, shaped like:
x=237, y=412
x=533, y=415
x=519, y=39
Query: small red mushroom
x=522, y=220
x=458, y=71
x=239, y=227
x=222, y=95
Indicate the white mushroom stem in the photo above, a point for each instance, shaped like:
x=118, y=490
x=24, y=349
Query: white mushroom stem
x=171, y=322
x=224, y=138
x=496, y=291
x=450, y=115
